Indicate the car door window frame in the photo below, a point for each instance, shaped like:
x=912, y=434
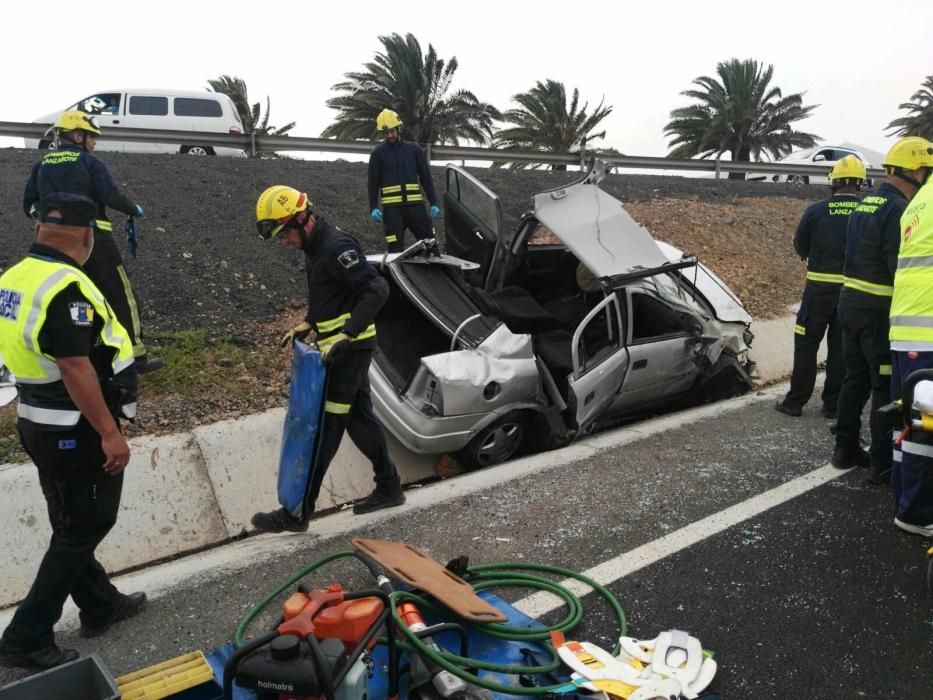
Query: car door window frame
x=456, y=177
x=632, y=321
x=615, y=333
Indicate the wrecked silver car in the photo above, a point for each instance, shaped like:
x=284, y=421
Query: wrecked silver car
x=527, y=341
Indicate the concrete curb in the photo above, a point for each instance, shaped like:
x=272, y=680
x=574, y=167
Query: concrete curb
x=191, y=490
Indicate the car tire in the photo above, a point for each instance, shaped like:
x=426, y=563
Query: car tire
x=197, y=150
x=798, y=179
x=496, y=442
x=46, y=145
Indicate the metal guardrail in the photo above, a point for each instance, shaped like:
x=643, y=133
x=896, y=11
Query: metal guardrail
x=254, y=143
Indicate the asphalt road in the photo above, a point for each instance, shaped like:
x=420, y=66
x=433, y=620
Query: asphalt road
x=815, y=595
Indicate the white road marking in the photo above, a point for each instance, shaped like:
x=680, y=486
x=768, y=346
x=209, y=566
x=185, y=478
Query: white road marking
x=621, y=566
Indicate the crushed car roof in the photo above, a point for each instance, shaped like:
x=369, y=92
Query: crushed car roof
x=595, y=227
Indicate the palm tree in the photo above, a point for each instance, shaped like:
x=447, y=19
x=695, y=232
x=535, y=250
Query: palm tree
x=919, y=121
x=416, y=86
x=740, y=113
x=253, y=121
x=544, y=122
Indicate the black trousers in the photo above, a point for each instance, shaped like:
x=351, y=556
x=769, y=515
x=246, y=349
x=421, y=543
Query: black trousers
x=106, y=270
x=817, y=317
x=348, y=407
x=398, y=217
x=867, y=354
x=82, y=502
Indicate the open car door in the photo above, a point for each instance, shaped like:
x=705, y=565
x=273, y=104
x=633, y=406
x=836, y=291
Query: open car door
x=600, y=361
x=473, y=223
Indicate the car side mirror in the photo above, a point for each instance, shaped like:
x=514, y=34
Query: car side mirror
x=819, y=158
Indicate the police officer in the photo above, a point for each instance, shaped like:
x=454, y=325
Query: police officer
x=344, y=295
x=398, y=171
x=872, y=241
x=72, y=168
x=912, y=349
x=74, y=370
x=820, y=239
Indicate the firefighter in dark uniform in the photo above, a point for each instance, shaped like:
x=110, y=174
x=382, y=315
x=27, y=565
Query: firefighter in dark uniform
x=344, y=295
x=872, y=242
x=72, y=168
x=74, y=370
x=820, y=239
x=398, y=172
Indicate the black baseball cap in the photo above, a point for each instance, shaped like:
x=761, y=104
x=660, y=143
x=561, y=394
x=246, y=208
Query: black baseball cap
x=75, y=209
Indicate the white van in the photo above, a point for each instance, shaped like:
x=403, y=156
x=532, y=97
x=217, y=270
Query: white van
x=182, y=110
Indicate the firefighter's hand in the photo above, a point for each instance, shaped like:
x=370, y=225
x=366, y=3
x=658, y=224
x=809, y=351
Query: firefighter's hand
x=117, y=452
x=435, y=211
x=376, y=214
x=331, y=351
x=300, y=332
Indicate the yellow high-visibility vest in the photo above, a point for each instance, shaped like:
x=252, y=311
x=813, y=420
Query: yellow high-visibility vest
x=912, y=303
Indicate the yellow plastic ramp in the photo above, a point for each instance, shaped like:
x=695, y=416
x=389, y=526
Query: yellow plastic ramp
x=167, y=678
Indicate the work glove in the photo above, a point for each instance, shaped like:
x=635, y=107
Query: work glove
x=300, y=332
x=376, y=214
x=435, y=211
x=139, y=212
x=331, y=351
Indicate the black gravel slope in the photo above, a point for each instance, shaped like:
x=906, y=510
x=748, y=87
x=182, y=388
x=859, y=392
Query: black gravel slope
x=201, y=264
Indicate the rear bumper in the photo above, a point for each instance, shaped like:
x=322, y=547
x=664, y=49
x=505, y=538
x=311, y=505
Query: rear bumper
x=418, y=432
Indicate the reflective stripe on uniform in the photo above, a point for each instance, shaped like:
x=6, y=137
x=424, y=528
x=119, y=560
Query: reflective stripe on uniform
x=880, y=290
x=138, y=349
x=331, y=324
x=48, y=416
x=401, y=194
x=916, y=448
x=368, y=332
x=340, y=409
x=391, y=238
x=825, y=277
x=103, y=225
x=884, y=370
x=799, y=330
x=915, y=261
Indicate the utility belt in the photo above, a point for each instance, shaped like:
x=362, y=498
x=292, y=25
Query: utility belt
x=401, y=194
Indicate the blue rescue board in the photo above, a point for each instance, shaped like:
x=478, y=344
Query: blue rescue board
x=302, y=426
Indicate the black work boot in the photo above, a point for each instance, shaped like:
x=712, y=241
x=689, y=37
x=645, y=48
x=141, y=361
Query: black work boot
x=127, y=606
x=146, y=364
x=788, y=409
x=846, y=456
x=13, y=656
x=828, y=412
x=878, y=474
x=378, y=500
x=278, y=521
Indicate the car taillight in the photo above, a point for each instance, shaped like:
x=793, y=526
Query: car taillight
x=235, y=130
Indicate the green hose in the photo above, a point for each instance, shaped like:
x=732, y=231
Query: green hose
x=483, y=577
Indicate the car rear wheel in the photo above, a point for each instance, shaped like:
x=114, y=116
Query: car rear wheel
x=496, y=442
x=46, y=145
x=198, y=150
x=798, y=179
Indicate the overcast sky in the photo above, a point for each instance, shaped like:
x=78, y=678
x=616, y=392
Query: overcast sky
x=637, y=56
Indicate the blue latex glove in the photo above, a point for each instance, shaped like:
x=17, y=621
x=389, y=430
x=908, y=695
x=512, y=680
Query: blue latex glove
x=435, y=211
x=376, y=214
x=139, y=212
